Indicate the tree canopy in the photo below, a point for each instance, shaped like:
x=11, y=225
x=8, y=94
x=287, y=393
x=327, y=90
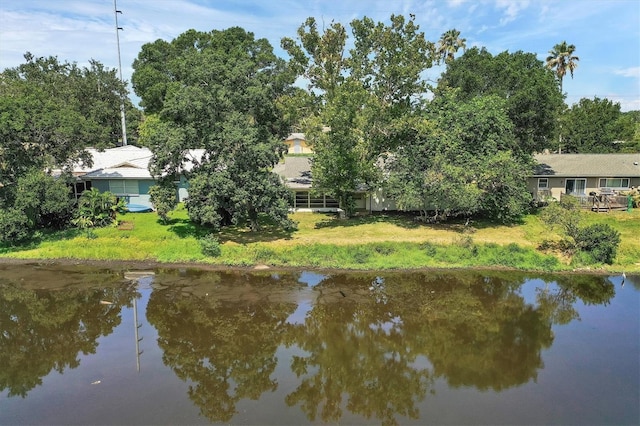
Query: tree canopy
x=216, y=91
x=595, y=126
x=51, y=110
x=533, y=101
x=362, y=97
x=461, y=161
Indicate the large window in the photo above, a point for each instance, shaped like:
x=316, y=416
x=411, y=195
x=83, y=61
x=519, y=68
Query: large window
x=575, y=186
x=304, y=200
x=614, y=183
x=124, y=187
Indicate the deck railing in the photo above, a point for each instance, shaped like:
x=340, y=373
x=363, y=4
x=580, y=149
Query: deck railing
x=600, y=202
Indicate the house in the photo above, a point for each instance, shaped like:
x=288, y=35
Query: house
x=297, y=144
x=124, y=171
x=554, y=175
x=582, y=174
x=296, y=175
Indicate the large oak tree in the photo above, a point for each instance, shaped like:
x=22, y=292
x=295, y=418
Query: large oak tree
x=216, y=91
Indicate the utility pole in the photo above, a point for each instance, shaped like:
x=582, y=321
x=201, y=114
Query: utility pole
x=122, y=117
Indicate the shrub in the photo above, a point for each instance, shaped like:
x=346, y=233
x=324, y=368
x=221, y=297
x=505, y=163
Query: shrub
x=210, y=245
x=429, y=249
x=97, y=208
x=360, y=255
x=163, y=197
x=600, y=240
x=14, y=226
x=384, y=250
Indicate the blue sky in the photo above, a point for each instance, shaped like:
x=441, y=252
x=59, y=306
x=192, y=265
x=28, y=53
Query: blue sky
x=606, y=33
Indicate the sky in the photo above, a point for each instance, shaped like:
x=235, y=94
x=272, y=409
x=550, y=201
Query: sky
x=606, y=33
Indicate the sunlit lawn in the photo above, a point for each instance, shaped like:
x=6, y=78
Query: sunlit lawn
x=141, y=236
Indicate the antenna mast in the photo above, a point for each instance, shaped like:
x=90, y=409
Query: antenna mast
x=122, y=117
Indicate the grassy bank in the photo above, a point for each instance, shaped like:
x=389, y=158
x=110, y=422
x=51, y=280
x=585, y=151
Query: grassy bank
x=322, y=241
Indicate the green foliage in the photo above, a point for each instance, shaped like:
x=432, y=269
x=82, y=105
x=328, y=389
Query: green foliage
x=449, y=44
x=564, y=214
x=503, y=182
x=220, y=97
x=561, y=60
x=596, y=243
x=38, y=200
x=51, y=110
x=14, y=226
x=210, y=245
x=96, y=209
x=164, y=199
x=600, y=241
x=629, y=125
x=44, y=200
x=460, y=162
x=592, y=126
x=532, y=98
x=360, y=101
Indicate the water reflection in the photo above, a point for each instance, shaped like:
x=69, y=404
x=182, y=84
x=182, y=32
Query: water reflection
x=44, y=330
x=222, y=337
x=356, y=346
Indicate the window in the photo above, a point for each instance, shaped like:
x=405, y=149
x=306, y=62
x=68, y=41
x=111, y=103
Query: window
x=543, y=183
x=124, y=187
x=614, y=183
x=575, y=186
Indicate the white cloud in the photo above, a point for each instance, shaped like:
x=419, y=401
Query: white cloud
x=455, y=3
x=512, y=9
x=628, y=72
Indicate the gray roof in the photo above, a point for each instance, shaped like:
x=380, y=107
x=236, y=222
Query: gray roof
x=588, y=165
x=296, y=172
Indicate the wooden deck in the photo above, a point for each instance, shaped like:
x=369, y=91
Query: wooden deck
x=601, y=203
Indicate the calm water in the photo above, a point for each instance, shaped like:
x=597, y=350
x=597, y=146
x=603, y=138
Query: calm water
x=82, y=345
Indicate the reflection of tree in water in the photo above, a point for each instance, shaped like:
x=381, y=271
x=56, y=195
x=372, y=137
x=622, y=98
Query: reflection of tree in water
x=44, y=330
x=481, y=332
x=558, y=303
x=366, y=333
x=222, y=338
x=359, y=349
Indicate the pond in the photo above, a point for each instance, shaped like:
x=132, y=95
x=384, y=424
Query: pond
x=81, y=344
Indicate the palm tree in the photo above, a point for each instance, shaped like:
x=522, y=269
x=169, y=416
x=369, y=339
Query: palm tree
x=561, y=59
x=449, y=43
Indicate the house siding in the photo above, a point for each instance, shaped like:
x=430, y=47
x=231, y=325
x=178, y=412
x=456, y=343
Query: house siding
x=556, y=186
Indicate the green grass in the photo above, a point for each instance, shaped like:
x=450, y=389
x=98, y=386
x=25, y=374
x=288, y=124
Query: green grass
x=323, y=241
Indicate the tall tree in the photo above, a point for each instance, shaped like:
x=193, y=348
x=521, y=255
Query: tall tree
x=449, y=44
x=593, y=126
x=460, y=162
x=364, y=97
x=561, y=59
x=50, y=111
x=533, y=101
x=217, y=91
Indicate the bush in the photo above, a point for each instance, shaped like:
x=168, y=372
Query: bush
x=429, y=249
x=163, y=197
x=601, y=241
x=210, y=245
x=14, y=226
x=97, y=209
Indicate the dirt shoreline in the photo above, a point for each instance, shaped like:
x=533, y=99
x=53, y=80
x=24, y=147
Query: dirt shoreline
x=152, y=264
